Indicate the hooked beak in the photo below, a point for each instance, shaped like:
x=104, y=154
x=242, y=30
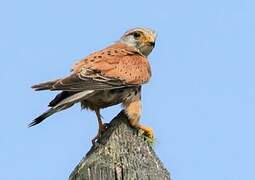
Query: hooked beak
x=151, y=39
x=152, y=44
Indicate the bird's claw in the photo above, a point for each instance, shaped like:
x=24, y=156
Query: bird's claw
x=106, y=125
x=148, y=132
x=102, y=129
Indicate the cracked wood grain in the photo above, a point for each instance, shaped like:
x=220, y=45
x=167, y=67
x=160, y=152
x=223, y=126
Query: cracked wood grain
x=121, y=153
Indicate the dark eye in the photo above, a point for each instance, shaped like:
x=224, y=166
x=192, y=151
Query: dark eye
x=137, y=35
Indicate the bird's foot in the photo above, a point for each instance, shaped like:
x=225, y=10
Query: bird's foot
x=147, y=131
x=102, y=129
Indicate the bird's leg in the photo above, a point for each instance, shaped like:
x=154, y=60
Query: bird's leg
x=101, y=126
x=133, y=110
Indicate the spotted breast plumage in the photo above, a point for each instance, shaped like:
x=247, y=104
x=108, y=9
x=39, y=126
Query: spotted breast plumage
x=107, y=77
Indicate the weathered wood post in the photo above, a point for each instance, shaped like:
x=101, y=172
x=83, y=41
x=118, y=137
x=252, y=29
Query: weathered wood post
x=122, y=153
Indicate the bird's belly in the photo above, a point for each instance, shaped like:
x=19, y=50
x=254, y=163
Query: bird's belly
x=106, y=98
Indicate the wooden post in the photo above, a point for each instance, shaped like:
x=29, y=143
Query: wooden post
x=121, y=153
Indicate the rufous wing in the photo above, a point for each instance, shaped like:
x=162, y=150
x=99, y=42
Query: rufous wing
x=114, y=67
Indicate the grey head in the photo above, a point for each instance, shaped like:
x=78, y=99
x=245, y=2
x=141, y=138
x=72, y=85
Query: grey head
x=142, y=39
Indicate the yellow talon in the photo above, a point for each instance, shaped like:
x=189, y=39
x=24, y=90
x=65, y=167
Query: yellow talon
x=147, y=131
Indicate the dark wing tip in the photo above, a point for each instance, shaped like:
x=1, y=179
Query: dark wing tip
x=43, y=116
x=38, y=120
x=33, y=123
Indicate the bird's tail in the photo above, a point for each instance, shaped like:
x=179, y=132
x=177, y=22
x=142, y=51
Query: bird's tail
x=61, y=104
x=43, y=116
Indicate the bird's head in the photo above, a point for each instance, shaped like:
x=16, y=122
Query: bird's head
x=142, y=39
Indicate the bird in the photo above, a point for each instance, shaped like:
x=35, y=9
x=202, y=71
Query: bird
x=111, y=76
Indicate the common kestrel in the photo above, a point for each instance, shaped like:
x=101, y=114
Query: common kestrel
x=105, y=78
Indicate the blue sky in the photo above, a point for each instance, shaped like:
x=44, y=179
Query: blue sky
x=200, y=101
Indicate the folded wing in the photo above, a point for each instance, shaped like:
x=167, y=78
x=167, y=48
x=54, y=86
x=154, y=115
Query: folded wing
x=114, y=67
